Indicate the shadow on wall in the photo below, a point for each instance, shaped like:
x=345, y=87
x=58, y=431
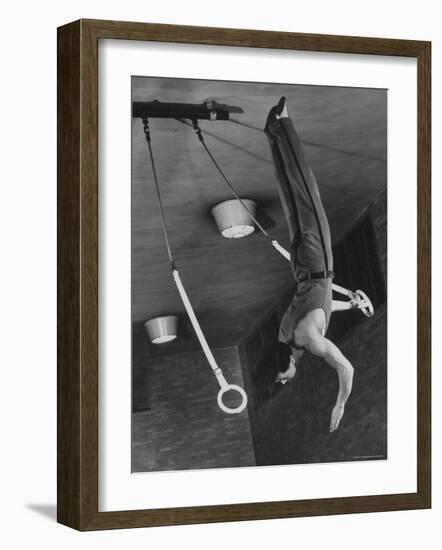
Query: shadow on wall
x=48, y=511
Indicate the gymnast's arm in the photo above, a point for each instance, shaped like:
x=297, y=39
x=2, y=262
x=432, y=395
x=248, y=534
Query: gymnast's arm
x=322, y=347
x=340, y=305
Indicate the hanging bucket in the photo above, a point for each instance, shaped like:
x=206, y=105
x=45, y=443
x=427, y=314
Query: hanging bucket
x=162, y=329
x=233, y=220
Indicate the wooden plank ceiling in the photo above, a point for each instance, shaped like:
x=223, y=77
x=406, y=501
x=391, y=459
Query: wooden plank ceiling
x=233, y=283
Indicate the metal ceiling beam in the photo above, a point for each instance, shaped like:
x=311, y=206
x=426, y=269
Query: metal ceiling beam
x=158, y=109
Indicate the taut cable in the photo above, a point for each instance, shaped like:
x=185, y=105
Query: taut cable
x=212, y=158
x=157, y=188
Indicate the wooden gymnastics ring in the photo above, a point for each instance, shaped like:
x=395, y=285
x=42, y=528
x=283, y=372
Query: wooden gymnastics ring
x=367, y=310
x=232, y=387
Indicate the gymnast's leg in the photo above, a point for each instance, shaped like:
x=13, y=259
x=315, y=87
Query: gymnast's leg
x=307, y=222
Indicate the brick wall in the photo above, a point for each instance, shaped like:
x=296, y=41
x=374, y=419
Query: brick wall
x=184, y=428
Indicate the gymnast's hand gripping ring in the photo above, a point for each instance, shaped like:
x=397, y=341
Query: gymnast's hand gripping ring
x=367, y=309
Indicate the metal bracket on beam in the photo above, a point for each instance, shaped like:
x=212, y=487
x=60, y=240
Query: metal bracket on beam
x=157, y=109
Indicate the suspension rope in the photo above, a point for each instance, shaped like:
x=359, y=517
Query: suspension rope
x=266, y=234
x=157, y=189
x=224, y=385
x=201, y=138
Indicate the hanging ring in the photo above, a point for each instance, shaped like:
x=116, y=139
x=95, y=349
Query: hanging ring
x=367, y=309
x=232, y=410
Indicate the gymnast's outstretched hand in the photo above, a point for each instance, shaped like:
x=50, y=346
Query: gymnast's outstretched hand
x=336, y=416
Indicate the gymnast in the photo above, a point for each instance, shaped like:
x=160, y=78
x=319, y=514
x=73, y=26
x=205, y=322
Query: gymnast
x=304, y=324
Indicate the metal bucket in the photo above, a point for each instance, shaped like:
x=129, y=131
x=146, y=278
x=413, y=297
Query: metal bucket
x=162, y=329
x=233, y=220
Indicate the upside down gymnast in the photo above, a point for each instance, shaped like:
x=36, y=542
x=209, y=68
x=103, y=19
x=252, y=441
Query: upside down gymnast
x=305, y=323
